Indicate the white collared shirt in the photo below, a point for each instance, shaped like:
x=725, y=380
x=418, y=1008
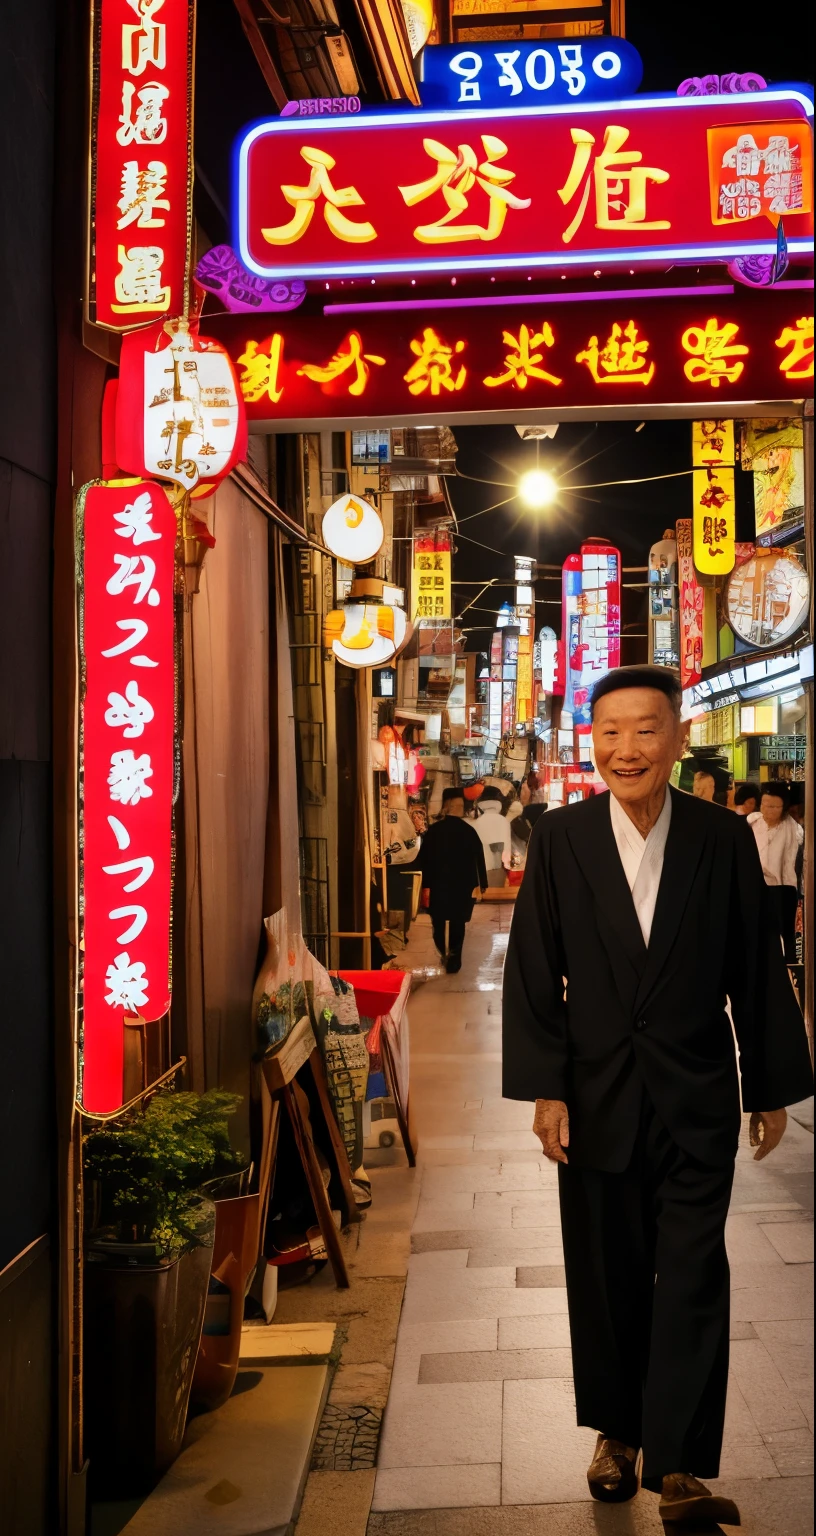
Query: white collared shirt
x=642, y=858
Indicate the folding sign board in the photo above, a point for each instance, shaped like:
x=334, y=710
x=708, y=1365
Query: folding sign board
x=126, y=535
x=141, y=161
x=524, y=187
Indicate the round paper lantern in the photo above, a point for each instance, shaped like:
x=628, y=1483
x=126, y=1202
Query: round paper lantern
x=364, y=633
x=352, y=530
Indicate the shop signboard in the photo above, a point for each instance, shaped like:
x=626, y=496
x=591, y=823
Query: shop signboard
x=664, y=628
x=600, y=625
x=713, y=492
x=691, y=607
x=783, y=749
x=141, y=161
x=774, y=452
x=768, y=598
x=126, y=536
x=525, y=188
x=431, y=580
x=522, y=74
x=693, y=350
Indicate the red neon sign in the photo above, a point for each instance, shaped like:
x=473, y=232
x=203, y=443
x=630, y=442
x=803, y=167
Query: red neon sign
x=126, y=536
x=525, y=187
x=141, y=182
x=709, y=350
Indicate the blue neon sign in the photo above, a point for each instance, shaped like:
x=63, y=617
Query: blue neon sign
x=528, y=74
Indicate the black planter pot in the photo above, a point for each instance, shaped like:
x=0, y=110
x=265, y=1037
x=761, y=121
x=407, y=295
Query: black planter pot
x=143, y=1326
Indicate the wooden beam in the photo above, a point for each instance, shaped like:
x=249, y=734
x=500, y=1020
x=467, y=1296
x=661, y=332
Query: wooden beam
x=254, y=37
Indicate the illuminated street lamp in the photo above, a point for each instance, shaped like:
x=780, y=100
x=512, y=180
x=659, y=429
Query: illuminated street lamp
x=537, y=489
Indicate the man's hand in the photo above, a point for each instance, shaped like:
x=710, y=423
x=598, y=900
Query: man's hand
x=551, y=1126
x=766, y=1130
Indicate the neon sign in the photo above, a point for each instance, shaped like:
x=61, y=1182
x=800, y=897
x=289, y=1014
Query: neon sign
x=702, y=349
x=527, y=73
x=126, y=536
x=141, y=161
x=520, y=187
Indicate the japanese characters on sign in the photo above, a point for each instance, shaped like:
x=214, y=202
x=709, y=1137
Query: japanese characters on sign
x=126, y=533
x=712, y=446
x=525, y=74
x=515, y=187
x=141, y=161
x=691, y=607
x=431, y=582
x=677, y=350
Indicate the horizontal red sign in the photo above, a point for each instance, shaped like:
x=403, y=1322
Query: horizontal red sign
x=526, y=187
x=712, y=349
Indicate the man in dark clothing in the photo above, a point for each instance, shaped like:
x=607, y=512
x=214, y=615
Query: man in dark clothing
x=642, y=913
x=452, y=862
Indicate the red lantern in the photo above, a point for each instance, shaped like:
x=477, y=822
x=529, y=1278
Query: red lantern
x=179, y=411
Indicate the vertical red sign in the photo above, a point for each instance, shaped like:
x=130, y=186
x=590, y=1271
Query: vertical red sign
x=126, y=536
x=141, y=155
x=691, y=607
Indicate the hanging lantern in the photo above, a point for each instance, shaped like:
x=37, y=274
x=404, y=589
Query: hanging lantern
x=179, y=411
x=365, y=632
x=353, y=530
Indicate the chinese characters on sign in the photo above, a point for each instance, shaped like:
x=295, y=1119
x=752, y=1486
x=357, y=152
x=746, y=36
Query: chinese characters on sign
x=141, y=160
x=340, y=197
x=712, y=450
x=763, y=169
x=126, y=536
x=431, y=584
x=691, y=607
x=387, y=363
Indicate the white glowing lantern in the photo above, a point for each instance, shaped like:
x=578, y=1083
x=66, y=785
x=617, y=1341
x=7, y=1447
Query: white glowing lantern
x=352, y=530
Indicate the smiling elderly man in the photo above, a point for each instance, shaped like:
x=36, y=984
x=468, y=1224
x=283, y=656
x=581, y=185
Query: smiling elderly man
x=642, y=913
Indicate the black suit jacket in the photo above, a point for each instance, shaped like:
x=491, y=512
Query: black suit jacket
x=453, y=865
x=631, y=1018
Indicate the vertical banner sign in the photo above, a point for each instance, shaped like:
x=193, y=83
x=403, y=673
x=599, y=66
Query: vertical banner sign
x=431, y=583
x=141, y=161
x=599, y=625
x=126, y=534
x=664, y=627
x=712, y=449
x=691, y=608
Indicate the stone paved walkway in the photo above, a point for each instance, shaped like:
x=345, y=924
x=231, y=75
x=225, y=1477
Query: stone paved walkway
x=479, y=1437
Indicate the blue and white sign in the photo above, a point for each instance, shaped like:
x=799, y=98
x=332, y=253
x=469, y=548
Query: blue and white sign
x=528, y=74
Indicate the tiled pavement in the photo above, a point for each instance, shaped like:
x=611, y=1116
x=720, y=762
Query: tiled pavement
x=479, y=1436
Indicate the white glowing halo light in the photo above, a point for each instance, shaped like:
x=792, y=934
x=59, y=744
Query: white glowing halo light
x=352, y=530
x=361, y=644
x=537, y=489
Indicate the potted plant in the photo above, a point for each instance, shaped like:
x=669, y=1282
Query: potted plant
x=147, y=1270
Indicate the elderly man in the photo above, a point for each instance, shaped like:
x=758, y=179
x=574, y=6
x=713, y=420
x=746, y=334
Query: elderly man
x=641, y=913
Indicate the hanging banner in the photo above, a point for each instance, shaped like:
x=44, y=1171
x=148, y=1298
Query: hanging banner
x=774, y=452
x=126, y=535
x=141, y=161
x=713, y=490
x=528, y=187
x=600, y=625
x=431, y=578
x=691, y=607
x=664, y=627
x=363, y=362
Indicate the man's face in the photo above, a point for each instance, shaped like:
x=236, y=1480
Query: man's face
x=456, y=807
x=773, y=809
x=637, y=739
x=704, y=785
x=747, y=808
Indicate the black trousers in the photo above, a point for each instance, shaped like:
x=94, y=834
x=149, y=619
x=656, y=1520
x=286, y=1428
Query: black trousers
x=649, y=1298
x=452, y=945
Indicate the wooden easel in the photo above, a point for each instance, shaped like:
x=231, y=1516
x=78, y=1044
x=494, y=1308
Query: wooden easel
x=279, y=1072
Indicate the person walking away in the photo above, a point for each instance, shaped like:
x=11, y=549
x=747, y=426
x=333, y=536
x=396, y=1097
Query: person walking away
x=495, y=831
x=453, y=867
x=641, y=911
x=746, y=798
x=779, y=838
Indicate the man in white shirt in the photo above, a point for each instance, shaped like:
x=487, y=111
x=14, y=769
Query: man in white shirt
x=640, y=912
x=496, y=834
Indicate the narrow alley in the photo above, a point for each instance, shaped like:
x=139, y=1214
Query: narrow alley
x=479, y=1436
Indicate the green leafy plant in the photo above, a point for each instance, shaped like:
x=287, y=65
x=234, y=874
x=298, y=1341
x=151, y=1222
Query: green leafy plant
x=150, y=1165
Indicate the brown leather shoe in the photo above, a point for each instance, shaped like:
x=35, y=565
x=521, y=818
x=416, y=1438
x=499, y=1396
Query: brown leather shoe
x=612, y=1475
x=686, y=1499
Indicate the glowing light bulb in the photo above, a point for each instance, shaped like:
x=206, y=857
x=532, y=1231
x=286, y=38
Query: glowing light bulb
x=537, y=489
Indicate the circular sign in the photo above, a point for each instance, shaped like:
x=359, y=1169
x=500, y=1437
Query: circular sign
x=372, y=633
x=352, y=530
x=767, y=598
